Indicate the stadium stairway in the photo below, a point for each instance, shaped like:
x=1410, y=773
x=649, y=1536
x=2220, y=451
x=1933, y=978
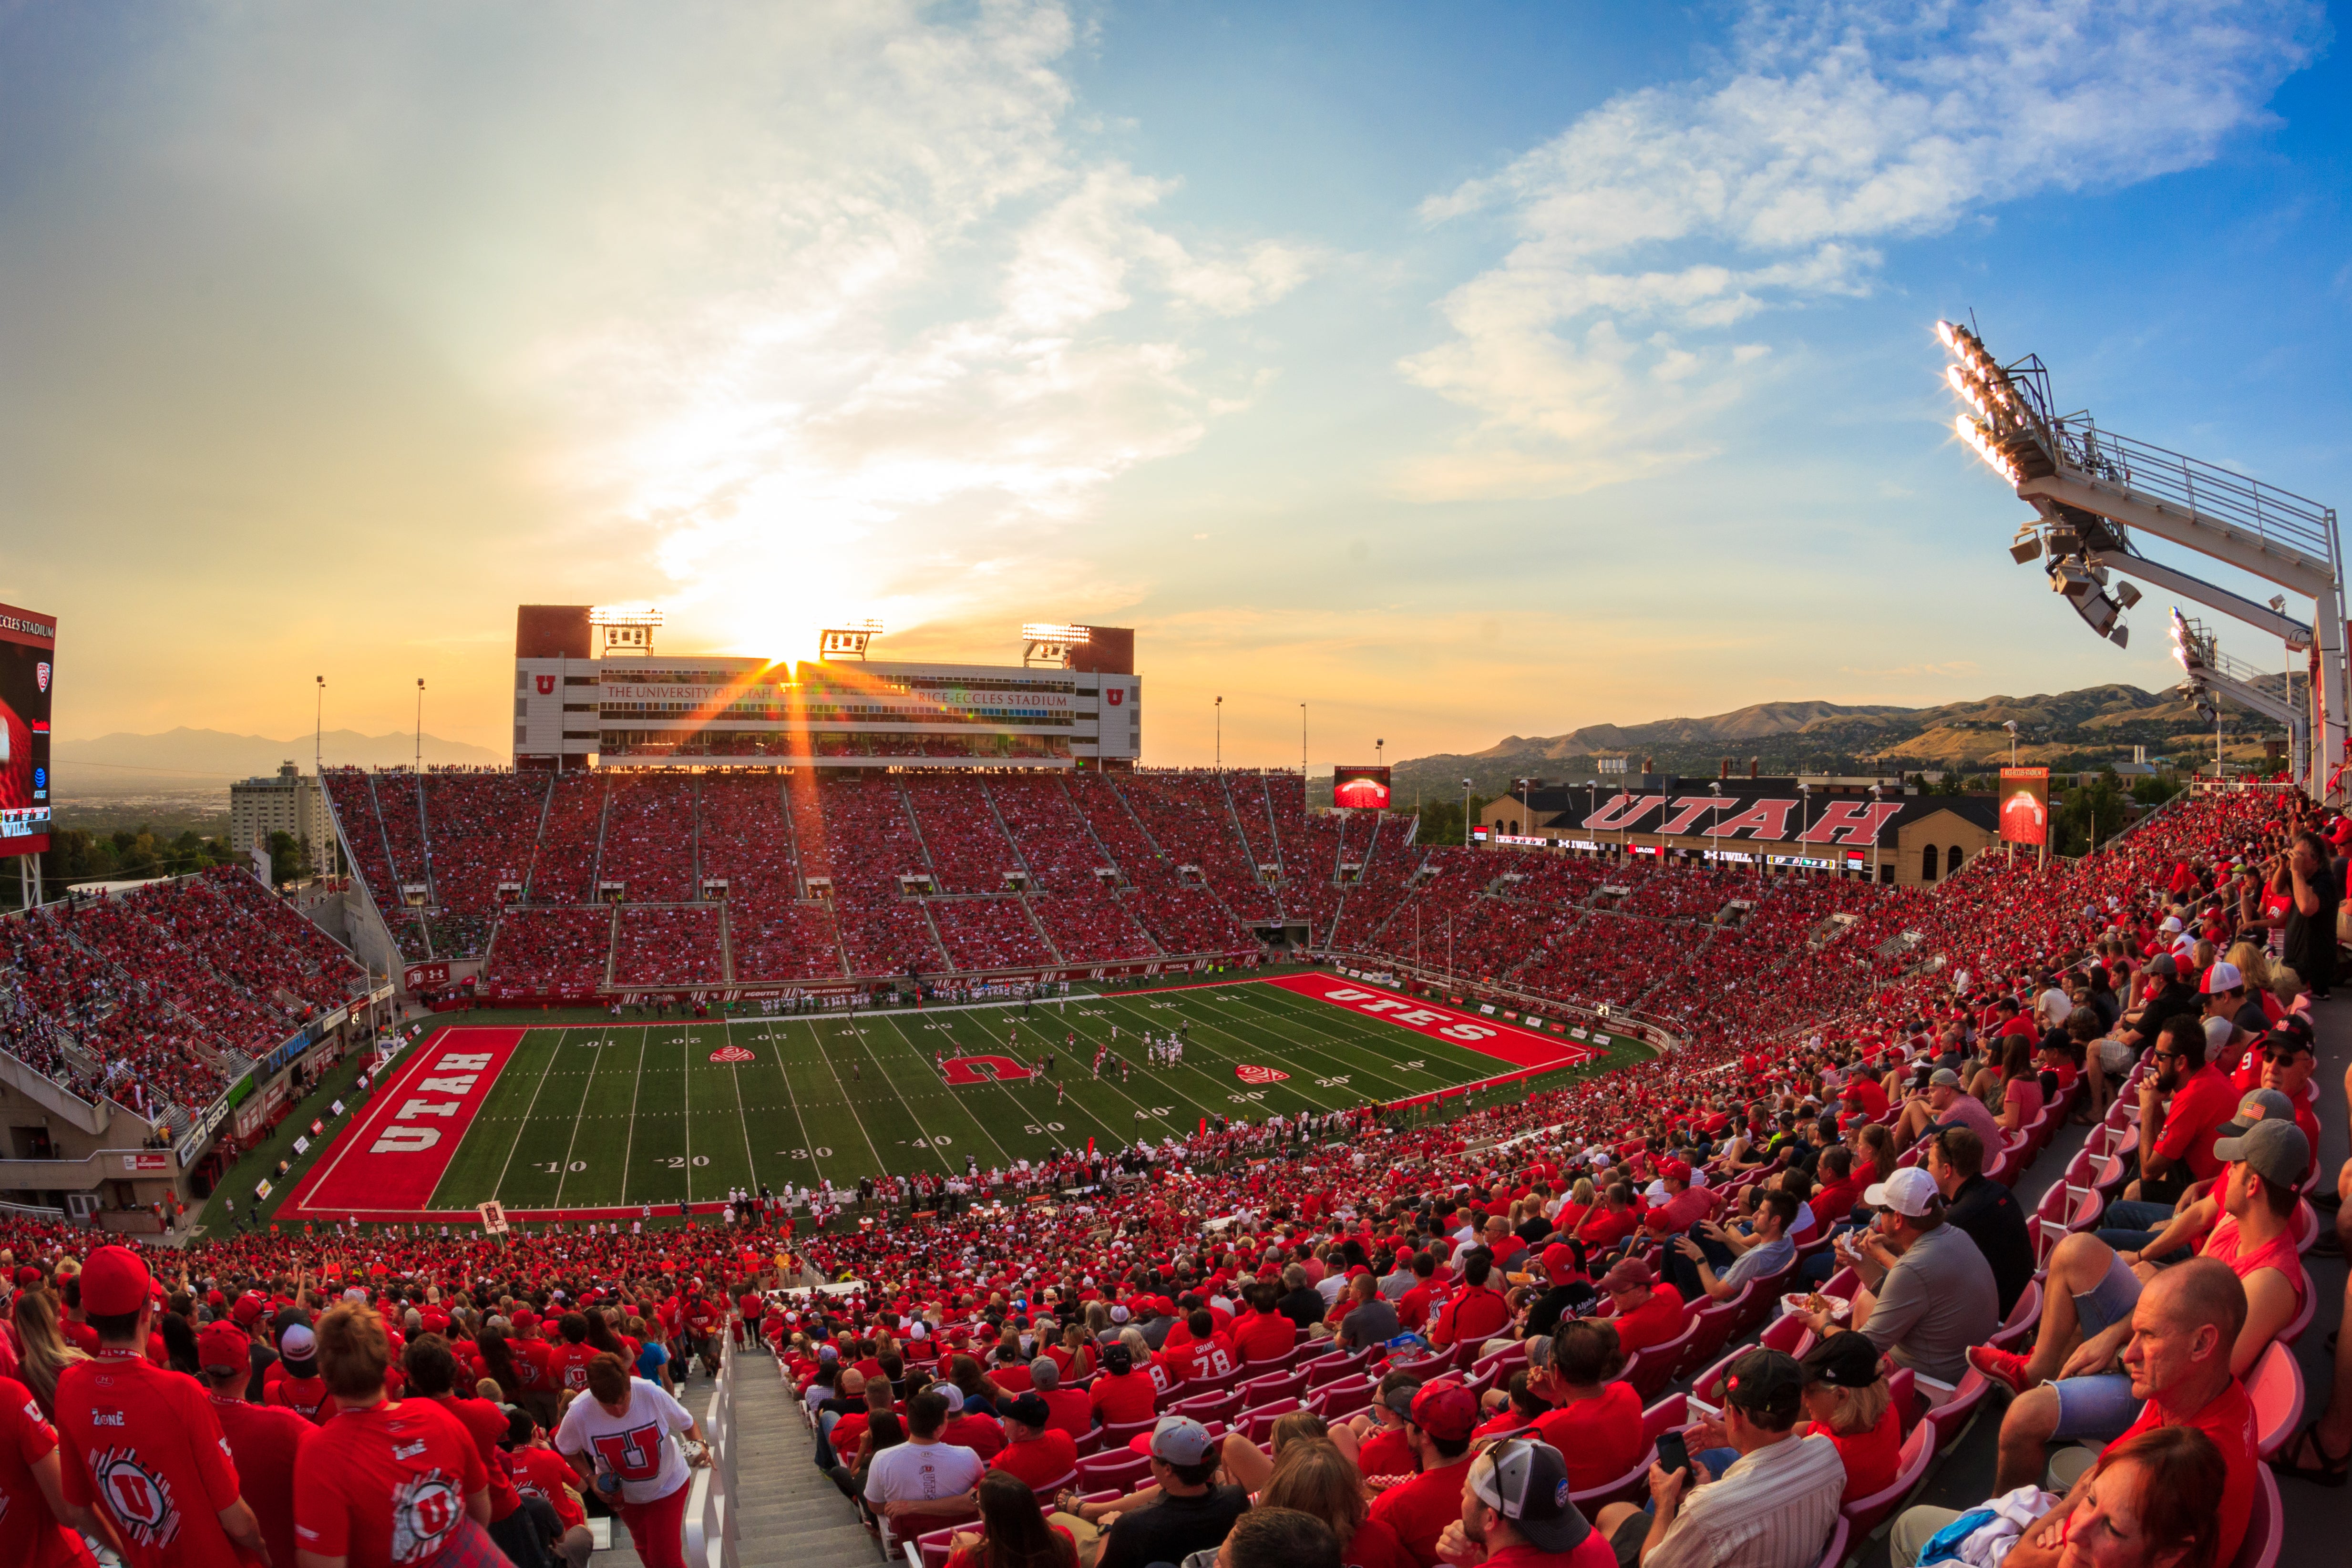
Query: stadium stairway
x=788, y=1511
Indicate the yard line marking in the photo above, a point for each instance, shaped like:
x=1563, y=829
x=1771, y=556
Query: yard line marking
x=920, y=1131
x=826, y=1057
x=742, y=1119
x=586, y=1088
x=783, y=1073
x=985, y=1131
x=629, y=1148
x=686, y=1102
x=499, y=1184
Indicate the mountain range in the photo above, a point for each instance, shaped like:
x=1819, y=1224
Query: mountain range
x=122, y=763
x=2066, y=731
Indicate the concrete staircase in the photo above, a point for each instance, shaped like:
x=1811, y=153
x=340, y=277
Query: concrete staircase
x=788, y=1512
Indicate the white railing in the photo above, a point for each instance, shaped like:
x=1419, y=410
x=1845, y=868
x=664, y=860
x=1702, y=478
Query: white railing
x=711, y=1533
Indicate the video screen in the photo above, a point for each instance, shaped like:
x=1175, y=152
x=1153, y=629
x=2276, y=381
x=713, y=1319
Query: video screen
x=2025, y=805
x=1360, y=789
x=27, y=677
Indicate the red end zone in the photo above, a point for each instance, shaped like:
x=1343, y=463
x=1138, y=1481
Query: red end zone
x=389, y=1162
x=1531, y=1051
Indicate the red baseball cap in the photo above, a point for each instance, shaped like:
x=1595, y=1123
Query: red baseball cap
x=1675, y=1170
x=222, y=1345
x=1445, y=1409
x=114, y=1282
x=1559, y=1260
x=249, y=1308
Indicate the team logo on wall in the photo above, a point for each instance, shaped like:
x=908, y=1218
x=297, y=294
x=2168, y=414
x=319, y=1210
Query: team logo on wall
x=1116, y=695
x=41, y=673
x=733, y=1053
x=1248, y=1074
x=547, y=685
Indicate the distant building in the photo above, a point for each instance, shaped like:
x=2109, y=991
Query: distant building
x=293, y=803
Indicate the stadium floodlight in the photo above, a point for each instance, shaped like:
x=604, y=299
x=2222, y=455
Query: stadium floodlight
x=1050, y=643
x=2126, y=595
x=847, y=639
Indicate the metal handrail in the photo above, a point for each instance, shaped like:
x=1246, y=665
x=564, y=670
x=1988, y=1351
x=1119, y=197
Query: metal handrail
x=2278, y=518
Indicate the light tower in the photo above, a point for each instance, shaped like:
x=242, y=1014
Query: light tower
x=2091, y=489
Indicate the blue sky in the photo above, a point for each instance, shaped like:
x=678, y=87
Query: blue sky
x=1460, y=371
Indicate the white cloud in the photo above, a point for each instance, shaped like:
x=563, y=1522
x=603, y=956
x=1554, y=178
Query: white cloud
x=1659, y=223
x=828, y=305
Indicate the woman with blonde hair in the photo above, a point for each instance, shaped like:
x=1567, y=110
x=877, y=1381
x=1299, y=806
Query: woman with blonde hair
x=2254, y=962
x=42, y=1352
x=1316, y=1478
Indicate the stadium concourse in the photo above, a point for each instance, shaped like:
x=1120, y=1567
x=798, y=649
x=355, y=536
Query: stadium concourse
x=1429, y=1262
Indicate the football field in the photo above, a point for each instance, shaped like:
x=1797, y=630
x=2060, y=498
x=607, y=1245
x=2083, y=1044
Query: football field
x=601, y=1119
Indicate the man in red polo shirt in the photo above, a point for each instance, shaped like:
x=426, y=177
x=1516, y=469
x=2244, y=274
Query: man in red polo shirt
x=143, y=1443
x=1684, y=1205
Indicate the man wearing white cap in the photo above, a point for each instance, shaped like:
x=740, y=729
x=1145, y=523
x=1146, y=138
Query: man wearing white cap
x=1930, y=1293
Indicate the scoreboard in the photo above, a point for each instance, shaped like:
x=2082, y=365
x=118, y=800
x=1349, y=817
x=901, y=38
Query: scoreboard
x=28, y=646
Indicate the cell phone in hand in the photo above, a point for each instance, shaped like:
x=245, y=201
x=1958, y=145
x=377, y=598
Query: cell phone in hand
x=1674, y=1454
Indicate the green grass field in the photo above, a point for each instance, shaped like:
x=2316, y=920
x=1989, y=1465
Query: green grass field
x=601, y=1115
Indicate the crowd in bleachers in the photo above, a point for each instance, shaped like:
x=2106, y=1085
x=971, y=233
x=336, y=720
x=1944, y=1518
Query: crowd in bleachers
x=482, y=826
x=1380, y=1341
x=668, y=946
x=156, y=985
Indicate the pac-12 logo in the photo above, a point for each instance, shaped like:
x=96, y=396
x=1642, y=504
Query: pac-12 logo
x=423, y=1513
x=41, y=675
x=139, y=1499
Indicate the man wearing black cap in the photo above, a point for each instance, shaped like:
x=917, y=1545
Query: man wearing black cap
x=1037, y=1453
x=1774, y=1508
x=1515, y=1514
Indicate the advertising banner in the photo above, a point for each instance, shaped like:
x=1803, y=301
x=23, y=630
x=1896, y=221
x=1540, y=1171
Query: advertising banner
x=29, y=644
x=1360, y=789
x=2025, y=805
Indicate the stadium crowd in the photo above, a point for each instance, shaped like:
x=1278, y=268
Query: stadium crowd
x=1381, y=1342
x=152, y=986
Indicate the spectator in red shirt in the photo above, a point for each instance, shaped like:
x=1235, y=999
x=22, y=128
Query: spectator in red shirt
x=1444, y=1415
x=389, y=1484
x=1121, y=1395
x=1262, y=1333
x=969, y=1424
x=2183, y=1104
x=301, y=1389
x=170, y=1489
x=36, y=1522
x=1475, y=1312
x=567, y=1362
x=1648, y=1312
x=1609, y=1223
x=1596, y=1417
x=1037, y=1454
x=1067, y=1410
x=266, y=1441
x=1685, y=1205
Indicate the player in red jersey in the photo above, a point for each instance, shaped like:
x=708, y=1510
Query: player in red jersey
x=33, y=1512
x=143, y=1443
x=388, y=1483
x=264, y=1440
